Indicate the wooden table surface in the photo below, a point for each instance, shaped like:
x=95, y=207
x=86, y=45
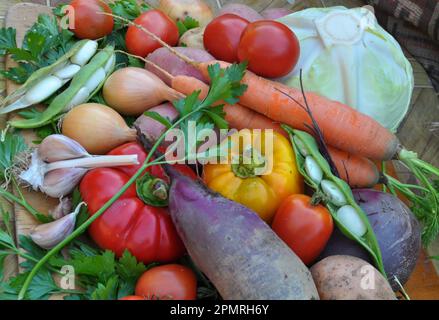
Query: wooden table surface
x=424, y=283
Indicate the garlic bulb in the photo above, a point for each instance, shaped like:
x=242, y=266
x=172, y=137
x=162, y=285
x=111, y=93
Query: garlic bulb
x=59, y=164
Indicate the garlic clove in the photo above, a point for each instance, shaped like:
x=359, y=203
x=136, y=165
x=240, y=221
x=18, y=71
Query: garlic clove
x=61, y=182
x=63, y=208
x=50, y=234
x=84, y=54
x=57, y=147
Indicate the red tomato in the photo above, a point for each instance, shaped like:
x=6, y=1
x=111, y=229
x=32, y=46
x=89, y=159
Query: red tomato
x=141, y=44
x=89, y=23
x=168, y=282
x=222, y=34
x=271, y=48
x=132, y=298
x=305, y=228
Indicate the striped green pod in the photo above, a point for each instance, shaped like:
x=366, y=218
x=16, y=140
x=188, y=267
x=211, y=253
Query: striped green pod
x=44, y=82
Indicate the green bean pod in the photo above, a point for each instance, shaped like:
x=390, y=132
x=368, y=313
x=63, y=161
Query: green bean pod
x=85, y=84
x=306, y=146
x=35, y=89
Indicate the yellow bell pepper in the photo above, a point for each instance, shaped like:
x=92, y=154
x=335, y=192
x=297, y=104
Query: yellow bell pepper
x=259, y=175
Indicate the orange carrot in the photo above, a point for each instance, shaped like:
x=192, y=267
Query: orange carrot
x=359, y=172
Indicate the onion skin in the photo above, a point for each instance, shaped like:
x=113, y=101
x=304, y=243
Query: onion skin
x=131, y=91
x=97, y=128
x=180, y=9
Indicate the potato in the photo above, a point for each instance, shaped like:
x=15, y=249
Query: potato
x=241, y=10
x=193, y=38
x=350, y=278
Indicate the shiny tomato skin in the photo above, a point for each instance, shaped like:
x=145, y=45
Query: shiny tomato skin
x=132, y=298
x=141, y=44
x=271, y=48
x=167, y=282
x=303, y=227
x=222, y=35
x=89, y=23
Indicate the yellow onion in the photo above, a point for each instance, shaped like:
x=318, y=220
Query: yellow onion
x=132, y=91
x=180, y=9
x=96, y=127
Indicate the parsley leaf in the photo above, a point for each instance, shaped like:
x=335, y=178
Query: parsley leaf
x=187, y=24
x=10, y=146
x=7, y=40
x=107, y=291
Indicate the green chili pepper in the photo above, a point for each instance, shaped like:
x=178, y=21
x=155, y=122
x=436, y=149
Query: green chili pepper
x=305, y=144
x=19, y=99
x=81, y=89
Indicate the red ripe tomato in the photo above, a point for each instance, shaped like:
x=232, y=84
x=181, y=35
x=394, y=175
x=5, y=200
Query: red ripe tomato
x=141, y=44
x=222, y=34
x=271, y=48
x=132, y=298
x=167, y=282
x=89, y=23
x=305, y=228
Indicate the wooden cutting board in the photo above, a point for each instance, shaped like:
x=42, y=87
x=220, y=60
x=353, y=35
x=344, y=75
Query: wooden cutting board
x=424, y=283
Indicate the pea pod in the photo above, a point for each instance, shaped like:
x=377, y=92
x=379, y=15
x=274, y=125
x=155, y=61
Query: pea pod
x=85, y=84
x=336, y=194
x=46, y=81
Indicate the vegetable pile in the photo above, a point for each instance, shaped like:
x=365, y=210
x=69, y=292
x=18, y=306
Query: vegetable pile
x=180, y=161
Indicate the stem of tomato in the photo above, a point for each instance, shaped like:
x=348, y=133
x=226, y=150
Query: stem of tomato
x=98, y=213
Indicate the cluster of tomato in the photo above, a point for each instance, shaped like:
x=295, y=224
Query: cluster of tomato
x=234, y=39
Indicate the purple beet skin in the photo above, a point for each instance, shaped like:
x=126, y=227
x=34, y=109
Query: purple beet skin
x=236, y=250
